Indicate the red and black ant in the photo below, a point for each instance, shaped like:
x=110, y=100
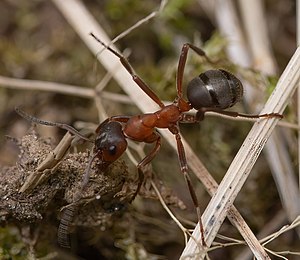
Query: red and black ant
x=211, y=91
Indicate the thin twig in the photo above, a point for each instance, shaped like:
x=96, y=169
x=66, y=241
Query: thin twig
x=184, y=230
x=140, y=22
x=284, y=229
x=46, y=86
x=84, y=92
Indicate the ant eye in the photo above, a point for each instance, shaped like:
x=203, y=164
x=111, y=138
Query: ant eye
x=112, y=150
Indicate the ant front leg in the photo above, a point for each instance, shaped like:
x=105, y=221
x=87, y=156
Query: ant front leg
x=137, y=79
x=182, y=62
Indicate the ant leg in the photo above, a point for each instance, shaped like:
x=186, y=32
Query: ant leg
x=182, y=62
x=184, y=171
x=48, y=123
x=200, y=114
x=154, y=138
x=135, y=77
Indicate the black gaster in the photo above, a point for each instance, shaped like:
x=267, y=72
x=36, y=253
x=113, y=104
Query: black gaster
x=214, y=89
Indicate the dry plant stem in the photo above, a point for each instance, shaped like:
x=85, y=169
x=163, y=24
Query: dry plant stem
x=49, y=165
x=84, y=92
x=73, y=9
x=298, y=92
x=225, y=15
x=46, y=86
x=253, y=16
x=276, y=150
x=284, y=229
x=298, y=21
x=283, y=174
x=273, y=236
x=243, y=162
x=277, y=221
x=275, y=147
x=140, y=22
x=162, y=202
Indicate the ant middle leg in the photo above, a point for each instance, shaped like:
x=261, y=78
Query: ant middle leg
x=137, y=79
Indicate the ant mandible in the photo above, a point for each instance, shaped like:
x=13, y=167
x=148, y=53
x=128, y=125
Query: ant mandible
x=213, y=90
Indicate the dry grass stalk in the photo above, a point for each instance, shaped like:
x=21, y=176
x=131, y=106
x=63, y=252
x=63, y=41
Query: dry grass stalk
x=276, y=150
x=278, y=157
x=242, y=164
x=298, y=93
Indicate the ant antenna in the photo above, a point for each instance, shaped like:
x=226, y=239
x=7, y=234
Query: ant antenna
x=33, y=119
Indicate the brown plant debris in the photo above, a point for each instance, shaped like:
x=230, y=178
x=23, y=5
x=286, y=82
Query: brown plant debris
x=46, y=185
x=105, y=193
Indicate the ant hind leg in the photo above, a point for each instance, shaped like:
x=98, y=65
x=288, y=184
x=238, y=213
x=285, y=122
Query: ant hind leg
x=184, y=171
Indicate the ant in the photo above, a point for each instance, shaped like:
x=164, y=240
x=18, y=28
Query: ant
x=211, y=91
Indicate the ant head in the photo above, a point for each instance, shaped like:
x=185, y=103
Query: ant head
x=110, y=142
x=214, y=89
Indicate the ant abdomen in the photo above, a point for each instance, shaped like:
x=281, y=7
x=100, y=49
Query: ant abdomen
x=214, y=89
